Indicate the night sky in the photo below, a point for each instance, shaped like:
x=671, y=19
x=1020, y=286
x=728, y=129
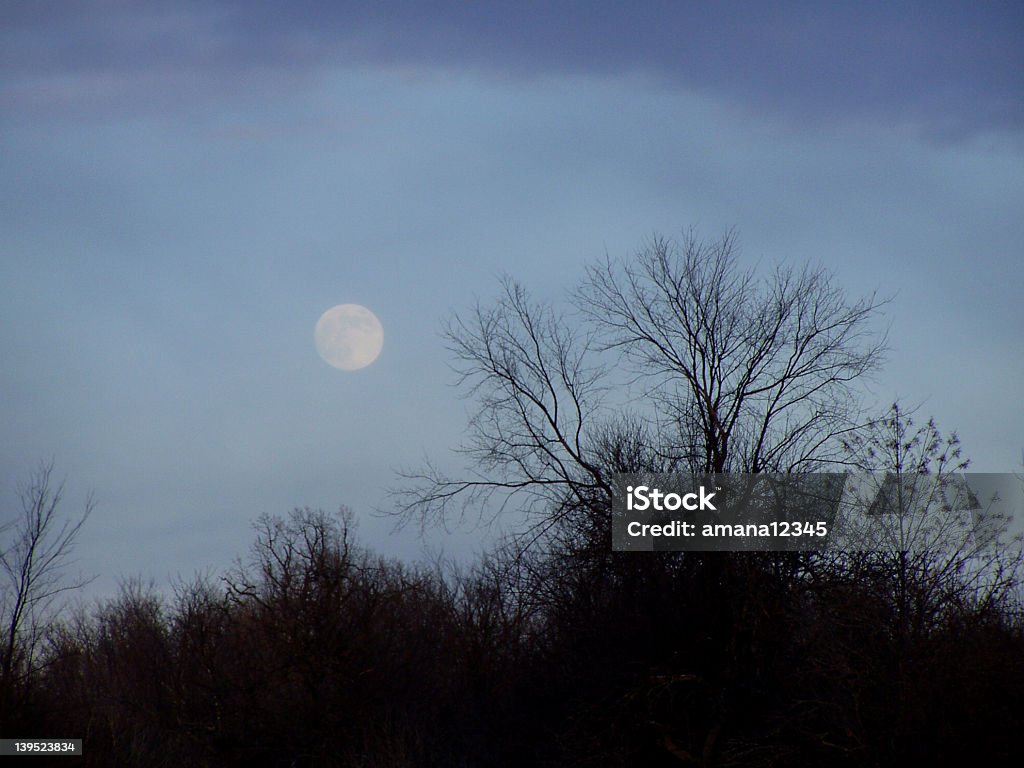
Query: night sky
x=186, y=187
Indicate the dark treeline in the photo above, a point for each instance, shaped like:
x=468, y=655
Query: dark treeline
x=314, y=652
x=554, y=649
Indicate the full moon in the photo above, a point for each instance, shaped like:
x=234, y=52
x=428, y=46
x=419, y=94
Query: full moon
x=348, y=337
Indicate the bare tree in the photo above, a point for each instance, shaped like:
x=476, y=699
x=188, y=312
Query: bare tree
x=40, y=542
x=742, y=372
x=750, y=373
x=910, y=496
x=539, y=397
x=912, y=509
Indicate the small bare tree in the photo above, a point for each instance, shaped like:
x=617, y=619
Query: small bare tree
x=912, y=510
x=39, y=544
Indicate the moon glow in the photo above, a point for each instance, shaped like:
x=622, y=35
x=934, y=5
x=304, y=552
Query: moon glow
x=348, y=337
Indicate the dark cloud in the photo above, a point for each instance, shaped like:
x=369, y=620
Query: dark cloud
x=948, y=69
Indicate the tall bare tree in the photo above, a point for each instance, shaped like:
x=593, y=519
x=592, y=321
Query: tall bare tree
x=751, y=372
x=742, y=371
x=38, y=547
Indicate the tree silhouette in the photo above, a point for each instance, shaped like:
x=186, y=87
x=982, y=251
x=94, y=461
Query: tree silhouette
x=740, y=371
x=32, y=564
x=753, y=372
x=912, y=510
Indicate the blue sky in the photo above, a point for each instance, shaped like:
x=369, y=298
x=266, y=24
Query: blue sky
x=185, y=187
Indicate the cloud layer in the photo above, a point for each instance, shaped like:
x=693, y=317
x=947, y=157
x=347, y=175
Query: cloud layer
x=948, y=69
